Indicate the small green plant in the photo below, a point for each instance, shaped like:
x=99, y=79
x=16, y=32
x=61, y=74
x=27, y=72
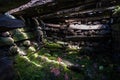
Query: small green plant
x=117, y=10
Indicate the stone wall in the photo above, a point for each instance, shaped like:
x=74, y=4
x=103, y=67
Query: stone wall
x=19, y=41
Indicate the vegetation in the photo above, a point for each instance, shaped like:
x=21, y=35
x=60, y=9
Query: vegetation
x=52, y=64
x=117, y=10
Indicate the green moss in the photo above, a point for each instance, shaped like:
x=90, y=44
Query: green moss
x=19, y=35
x=53, y=45
x=31, y=49
x=117, y=10
x=37, y=66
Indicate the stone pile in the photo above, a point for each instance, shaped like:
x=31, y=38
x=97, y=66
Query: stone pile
x=7, y=23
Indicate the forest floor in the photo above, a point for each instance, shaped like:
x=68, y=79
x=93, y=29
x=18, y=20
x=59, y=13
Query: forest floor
x=58, y=63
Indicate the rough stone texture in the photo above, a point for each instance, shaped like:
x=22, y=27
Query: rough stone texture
x=8, y=22
x=6, y=42
x=6, y=69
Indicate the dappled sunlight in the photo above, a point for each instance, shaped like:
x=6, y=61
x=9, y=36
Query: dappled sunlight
x=21, y=52
x=58, y=64
x=68, y=62
x=46, y=59
x=40, y=65
x=59, y=39
x=26, y=58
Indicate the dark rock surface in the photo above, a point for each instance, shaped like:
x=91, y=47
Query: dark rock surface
x=8, y=22
x=6, y=69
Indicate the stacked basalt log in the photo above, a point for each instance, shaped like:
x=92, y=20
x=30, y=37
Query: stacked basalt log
x=95, y=38
x=91, y=38
x=90, y=28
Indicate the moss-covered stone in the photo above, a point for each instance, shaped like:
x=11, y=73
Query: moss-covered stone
x=18, y=36
x=31, y=49
x=27, y=43
x=6, y=41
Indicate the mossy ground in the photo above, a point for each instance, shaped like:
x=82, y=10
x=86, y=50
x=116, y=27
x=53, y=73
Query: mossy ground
x=38, y=66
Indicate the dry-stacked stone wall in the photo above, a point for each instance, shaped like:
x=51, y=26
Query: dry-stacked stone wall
x=19, y=41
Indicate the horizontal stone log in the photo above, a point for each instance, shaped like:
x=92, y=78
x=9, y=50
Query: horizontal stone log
x=93, y=10
x=87, y=27
x=70, y=20
x=53, y=7
x=78, y=10
x=55, y=25
x=30, y=4
x=93, y=32
x=87, y=38
x=77, y=26
x=51, y=29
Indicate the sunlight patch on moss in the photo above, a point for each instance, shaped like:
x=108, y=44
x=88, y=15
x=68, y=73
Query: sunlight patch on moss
x=25, y=57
